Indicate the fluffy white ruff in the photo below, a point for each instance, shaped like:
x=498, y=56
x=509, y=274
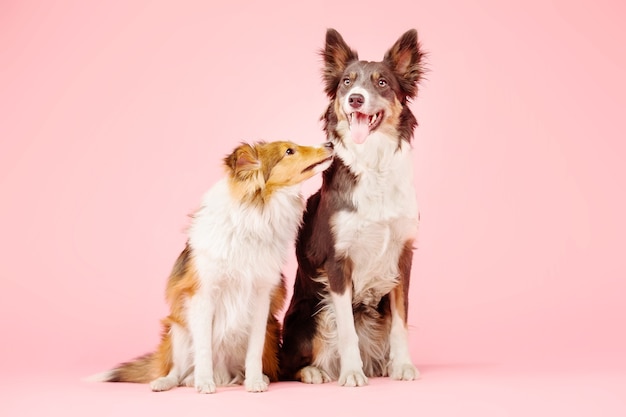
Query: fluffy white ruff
x=243, y=243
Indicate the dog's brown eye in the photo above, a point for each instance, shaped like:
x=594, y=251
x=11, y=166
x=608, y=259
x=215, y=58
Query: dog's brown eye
x=346, y=81
x=290, y=151
x=382, y=82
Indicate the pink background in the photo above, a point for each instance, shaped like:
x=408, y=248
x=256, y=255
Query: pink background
x=114, y=117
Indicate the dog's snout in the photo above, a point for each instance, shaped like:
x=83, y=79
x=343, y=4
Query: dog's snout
x=329, y=145
x=356, y=100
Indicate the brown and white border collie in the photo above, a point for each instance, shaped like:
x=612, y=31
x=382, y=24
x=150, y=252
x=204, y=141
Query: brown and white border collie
x=347, y=320
x=226, y=287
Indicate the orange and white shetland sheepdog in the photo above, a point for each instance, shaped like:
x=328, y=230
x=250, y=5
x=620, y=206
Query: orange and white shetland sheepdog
x=347, y=319
x=226, y=287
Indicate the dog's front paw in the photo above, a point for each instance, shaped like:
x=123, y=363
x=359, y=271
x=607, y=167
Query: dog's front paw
x=163, y=383
x=353, y=378
x=205, y=386
x=403, y=372
x=256, y=384
x=313, y=375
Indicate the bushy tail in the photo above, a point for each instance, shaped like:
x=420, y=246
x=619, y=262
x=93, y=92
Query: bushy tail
x=151, y=366
x=141, y=370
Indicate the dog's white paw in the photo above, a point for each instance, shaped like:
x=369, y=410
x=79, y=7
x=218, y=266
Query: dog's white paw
x=313, y=375
x=205, y=386
x=188, y=381
x=403, y=372
x=163, y=383
x=256, y=384
x=353, y=378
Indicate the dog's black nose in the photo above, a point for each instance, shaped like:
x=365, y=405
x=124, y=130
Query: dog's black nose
x=356, y=100
x=329, y=145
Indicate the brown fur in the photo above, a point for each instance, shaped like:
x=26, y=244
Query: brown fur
x=272, y=335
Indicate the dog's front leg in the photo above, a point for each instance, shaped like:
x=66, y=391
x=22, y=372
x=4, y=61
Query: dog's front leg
x=400, y=365
x=351, y=373
x=200, y=319
x=255, y=380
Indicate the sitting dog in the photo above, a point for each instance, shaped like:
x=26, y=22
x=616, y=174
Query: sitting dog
x=347, y=319
x=226, y=287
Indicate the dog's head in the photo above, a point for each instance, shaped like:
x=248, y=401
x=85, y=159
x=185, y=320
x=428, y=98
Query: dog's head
x=371, y=96
x=260, y=169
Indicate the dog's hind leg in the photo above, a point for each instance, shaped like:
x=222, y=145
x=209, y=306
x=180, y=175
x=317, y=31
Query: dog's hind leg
x=299, y=328
x=312, y=375
x=175, y=348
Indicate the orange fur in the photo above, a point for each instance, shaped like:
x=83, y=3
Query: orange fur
x=251, y=184
x=272, y=334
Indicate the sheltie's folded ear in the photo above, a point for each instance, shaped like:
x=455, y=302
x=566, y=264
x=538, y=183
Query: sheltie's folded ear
x=337, y=55
x=406, y=59
x=243, y=159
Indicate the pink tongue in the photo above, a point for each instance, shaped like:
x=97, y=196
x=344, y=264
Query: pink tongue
x=358, y=128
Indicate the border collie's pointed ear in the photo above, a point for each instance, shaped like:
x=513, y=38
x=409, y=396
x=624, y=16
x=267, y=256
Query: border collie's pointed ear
x=337, y=55
x=405, y=58
x=243, y=158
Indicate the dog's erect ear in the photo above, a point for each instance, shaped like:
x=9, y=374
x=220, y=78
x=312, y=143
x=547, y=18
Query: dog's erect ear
x=337, y=55
x=244, y=158
x=406, y=59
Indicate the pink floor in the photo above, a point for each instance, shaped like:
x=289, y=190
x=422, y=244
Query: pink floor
x=444, y=390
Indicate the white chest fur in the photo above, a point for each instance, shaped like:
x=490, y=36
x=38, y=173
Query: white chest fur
x=386, y=215
x=247, y=242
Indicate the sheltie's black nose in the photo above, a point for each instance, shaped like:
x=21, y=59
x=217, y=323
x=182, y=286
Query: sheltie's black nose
x=356, y=100
x=329, y=145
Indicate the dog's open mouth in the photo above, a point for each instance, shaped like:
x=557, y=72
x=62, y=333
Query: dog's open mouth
x=312, y=166
x=361, y=124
